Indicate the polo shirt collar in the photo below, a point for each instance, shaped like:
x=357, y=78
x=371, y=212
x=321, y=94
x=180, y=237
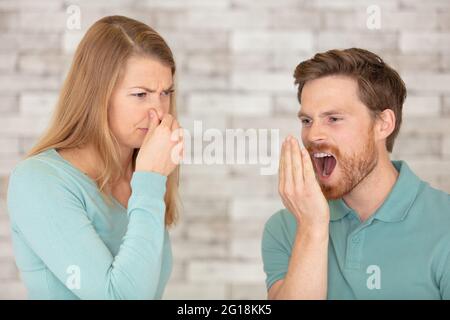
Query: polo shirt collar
x=398, y=202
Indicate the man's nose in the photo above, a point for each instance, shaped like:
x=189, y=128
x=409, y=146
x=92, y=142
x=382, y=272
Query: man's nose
x=316, y=133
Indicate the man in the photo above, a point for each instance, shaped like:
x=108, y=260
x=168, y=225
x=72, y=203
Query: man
x=356, y=225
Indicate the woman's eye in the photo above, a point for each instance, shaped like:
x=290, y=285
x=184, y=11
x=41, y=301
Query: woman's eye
x=140, y=94
x=166, y=93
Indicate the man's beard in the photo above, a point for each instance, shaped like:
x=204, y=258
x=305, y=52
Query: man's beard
x=352, y=168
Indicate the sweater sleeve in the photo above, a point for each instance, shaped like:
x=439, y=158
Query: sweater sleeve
x=53, y=221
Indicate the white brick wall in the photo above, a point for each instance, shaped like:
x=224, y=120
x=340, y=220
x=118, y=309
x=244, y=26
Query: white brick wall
x=235, y=62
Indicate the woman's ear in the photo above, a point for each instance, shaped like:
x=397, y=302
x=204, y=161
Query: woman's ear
x=385, y=124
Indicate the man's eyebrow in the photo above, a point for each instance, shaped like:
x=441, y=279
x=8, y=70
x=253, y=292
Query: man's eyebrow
x=323, y=114
x=151, y=90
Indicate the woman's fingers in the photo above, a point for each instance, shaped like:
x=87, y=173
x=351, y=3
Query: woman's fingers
x=167, y=120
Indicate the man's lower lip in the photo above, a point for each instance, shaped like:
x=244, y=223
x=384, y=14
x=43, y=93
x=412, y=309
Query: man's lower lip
x=143, y=129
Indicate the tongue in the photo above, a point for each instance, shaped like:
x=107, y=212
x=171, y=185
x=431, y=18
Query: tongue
x=329, y=164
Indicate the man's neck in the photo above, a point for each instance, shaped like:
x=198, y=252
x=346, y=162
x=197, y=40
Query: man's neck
x=370, y=193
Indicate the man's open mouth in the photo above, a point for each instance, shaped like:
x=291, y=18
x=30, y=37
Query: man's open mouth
x=324, y=163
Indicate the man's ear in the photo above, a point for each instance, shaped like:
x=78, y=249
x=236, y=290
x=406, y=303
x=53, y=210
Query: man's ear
x=385, y=124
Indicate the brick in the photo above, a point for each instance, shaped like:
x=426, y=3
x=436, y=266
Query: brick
x=419, y=145
x=443, y=20
x=424, y=42
x=226, y=104
x=201, y=82
x=446, y=106
x=252, y=61
x=427, y=82
x=419, y=62
x=285, y=18
x=219, y=271
x=184, y=4
x=376, y=42
x=245, y=248
x=8, y=163
x=248, y=291
x=194, y=290
x=349, y=4
x=288, y=61
x=446, y=147
x=26, y=143
x=422, y=106
x=211, y=64
x=18, y=82
x=420, y=5
x=8, y=62
x=244, y=41
x=70, y=40
x=219, y=19
x=262, y=81
x=5, y=229
x=3, y=205
x=427, y=167
x=24, y=125
x=287, y=105
x=38, y=103
x=42, y=43
x=8, y=270
x=253, y=208
x=6, y=249
x=208, y=231
x=49, y=5
x=189, y=250
x=407, y=21
x=204, y=41
x=202, y=208
x=425, y=125
x=445, y=62
x=293, y=4
x=231, y=187
x=42, y=22
x=8, y=146
x=12, y=290
x=8, y=104
x=42, y=64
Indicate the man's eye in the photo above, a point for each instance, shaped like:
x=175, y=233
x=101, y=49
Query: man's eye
x=334, y=119
x=305, y=121
x=140, y=94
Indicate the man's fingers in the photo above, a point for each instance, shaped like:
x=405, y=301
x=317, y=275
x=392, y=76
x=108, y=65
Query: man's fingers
x=289, y=182
x=297, y=163
x=308, y=169
x=281, y=178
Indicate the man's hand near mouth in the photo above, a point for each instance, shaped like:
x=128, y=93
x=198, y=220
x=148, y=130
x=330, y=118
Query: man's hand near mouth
x=302, y=196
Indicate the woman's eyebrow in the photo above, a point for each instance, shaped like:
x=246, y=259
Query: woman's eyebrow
x=151, y=90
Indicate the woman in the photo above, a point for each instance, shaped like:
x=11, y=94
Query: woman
x=91, y=203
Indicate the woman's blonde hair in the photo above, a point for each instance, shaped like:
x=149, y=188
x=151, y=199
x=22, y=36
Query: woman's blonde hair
x=81, y=116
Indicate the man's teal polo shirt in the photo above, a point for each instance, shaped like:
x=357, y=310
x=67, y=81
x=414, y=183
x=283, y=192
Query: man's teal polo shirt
x=401, y=252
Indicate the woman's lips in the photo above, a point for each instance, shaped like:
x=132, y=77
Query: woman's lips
x=143, y=129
